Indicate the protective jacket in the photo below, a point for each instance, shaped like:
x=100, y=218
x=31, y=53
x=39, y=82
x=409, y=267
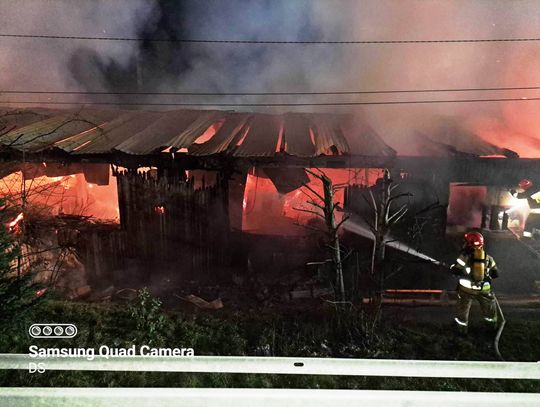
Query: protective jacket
x=534, y=203
x=475, y=269
x=532, y=224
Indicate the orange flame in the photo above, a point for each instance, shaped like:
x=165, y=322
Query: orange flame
x=69, y=194
x=15, y=221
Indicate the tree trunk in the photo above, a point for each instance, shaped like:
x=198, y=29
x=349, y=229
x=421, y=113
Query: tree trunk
x=334, y=238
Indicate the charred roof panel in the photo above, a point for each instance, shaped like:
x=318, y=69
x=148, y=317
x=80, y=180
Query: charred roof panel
x=230, y=132
x=171, y=130
x=158, y=135
x=105, y=138
x=46, y=133
x=96, y=131
x=450, y=134
x=196, y=129
x=297, y=135
x=328, y=134
x=11, y=119
x=362, y=139
x=262, y=137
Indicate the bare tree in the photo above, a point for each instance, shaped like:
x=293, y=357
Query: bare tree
x=35, y=197
x=382, y=202
x=325, y=207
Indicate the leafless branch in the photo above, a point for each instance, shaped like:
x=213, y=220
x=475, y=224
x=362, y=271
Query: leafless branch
x=396, y=217
x=314, y=192
x=393, y=198
x=309, y=211
x=41, y=135
x=345, y=219
x=316, y=204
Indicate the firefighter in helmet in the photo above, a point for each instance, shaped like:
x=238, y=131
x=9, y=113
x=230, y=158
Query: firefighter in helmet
x=525, y=190
x=475, y=270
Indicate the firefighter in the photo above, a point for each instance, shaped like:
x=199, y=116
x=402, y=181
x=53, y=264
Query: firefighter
x=525, y=190
x=475, y=270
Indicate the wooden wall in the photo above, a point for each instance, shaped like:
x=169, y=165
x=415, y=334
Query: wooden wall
x=173, y=226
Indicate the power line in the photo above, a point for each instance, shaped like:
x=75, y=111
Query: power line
x=193, y=93
x=268, y=42
x=393, y=102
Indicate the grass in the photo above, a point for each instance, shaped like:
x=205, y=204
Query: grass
x=270, y=335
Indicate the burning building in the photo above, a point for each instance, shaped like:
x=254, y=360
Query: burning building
x=204, y=195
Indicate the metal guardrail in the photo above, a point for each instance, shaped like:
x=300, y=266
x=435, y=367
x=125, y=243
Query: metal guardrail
x=282, y=365
x=189, y=397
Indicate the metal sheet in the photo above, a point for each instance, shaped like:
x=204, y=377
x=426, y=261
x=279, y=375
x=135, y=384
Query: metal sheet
x=173, y=129
x=96, y=173
x=297, y=135
x=96, y=131
x=104, y=138
x=234, y=397
x=284, y=365
x=456, y=139
x=362, y=139
x=44, y=134
x=328, y=134
x=196, y=129
x=225, y=137
x=11, y=119
x=287, y=179
x=262, y=137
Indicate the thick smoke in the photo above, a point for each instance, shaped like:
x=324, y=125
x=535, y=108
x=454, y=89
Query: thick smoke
x=44, y=64
x=150, y=66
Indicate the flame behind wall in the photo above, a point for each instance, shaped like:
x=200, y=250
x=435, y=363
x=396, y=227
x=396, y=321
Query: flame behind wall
x=70, y=194
x=268, y=212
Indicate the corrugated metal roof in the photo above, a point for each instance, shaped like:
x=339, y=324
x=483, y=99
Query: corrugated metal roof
x=297, y=135
x=450, y=134
x=175, y=129
x=44, y=134
x=262, y=137
x=230, y=132
x=94, y=131
x=328, y=133
x=361, y=137
x=103, y=138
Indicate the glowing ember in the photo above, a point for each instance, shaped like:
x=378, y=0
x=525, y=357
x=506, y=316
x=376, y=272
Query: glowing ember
x=13, y=224
x=41, y=293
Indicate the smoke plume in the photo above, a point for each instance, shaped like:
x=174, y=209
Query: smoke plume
x=173, y=66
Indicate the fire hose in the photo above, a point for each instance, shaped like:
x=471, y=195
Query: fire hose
x=502, y=323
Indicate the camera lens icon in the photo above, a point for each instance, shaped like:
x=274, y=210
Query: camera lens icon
x=70, y=330
x=35, y=331
x=52, y=331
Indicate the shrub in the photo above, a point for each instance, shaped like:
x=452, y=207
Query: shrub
x=17, y=288
x=149, y=318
